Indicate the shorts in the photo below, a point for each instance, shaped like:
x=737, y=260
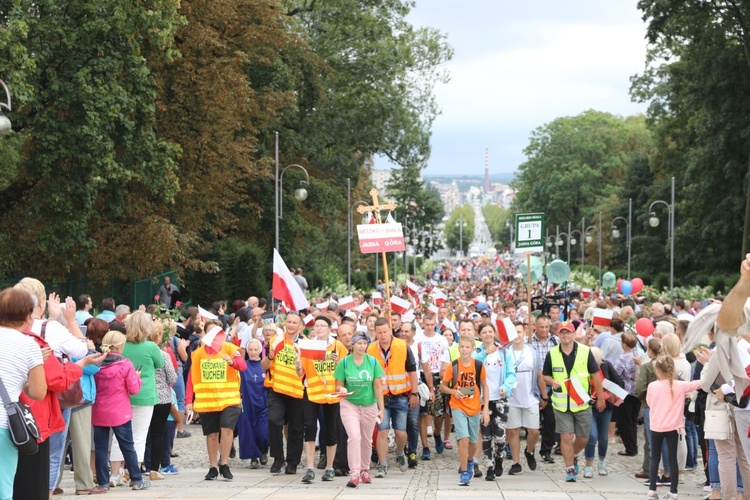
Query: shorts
x=395, y=413
x=466, y=426
x=436, y=409
x=567, y=422
x=213, y=421
x=523, y=417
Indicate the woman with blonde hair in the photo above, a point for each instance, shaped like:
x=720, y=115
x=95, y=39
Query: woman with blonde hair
x=146, y=356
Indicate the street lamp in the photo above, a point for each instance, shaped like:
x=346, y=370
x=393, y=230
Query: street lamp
x=654, y=222
x=460, y=223
x=508, y=224
x=300, y=194
x=4, y=120
x=628, y=224
x=587, y=238
x=559, y=243
x=349, y=223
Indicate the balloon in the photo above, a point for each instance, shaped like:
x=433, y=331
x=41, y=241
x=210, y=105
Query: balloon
x=619, y=285
x=536, y=269
x=626, y=287
x=644, y=327
x=608, y=280
x=558, y=271
x=637, y=285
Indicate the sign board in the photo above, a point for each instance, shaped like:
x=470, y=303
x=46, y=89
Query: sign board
x=529, y=233
x=376, y=238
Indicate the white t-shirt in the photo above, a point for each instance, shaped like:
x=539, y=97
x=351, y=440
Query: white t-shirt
x=60, y=340
x=434, y=350
x=18, y=354
x=523, y=394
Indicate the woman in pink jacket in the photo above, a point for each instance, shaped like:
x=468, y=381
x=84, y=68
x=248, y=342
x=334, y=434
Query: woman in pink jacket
x=116, y=381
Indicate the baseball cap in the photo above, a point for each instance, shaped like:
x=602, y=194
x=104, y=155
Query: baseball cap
x=566, y=325
x=474, y=315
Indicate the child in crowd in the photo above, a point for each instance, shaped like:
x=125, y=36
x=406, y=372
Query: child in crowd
x=666, y=398
x=116, y=381
x=462, y=382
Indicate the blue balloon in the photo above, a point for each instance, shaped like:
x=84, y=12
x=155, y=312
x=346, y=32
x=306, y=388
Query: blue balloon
x=626, y=287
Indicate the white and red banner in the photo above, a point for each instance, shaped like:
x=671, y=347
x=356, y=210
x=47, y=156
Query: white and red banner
x=375, y=238
x=586, y=292
x=285, y=288
x=399, y=305
x=313, y=349
x=206, y=315
x=309, y=320
x=323, y=306
x=412, y=287
x=506, y=331
x=602, y=317
x=439, y=297
x=363, y=308
x=432, y=309
x=448, y=324
x=614, y=393
x=215, y=338
x=346, y=302
x=377, y=298
x=576, y=391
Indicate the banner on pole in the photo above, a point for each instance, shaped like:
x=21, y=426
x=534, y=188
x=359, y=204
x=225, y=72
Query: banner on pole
x=376, y=238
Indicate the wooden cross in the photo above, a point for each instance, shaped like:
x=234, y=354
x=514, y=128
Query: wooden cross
x=375, y=207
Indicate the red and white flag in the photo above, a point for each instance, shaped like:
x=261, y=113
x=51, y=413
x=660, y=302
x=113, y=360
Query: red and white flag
x=284, y=308
x=412, y=288
x=506, y=331
x=448, y=324
x=206, y=315
x=377, y=298
x=346, y=302
x=585, y=293
x=432, y=309
x=313, y=349
x=369, y=219
x=285, y=288
x=278, y=343
x=576, y=391
x=363, y=308
x=309, y=320
x=602, y=317
x=399, y=305
x=439, y=297
x=215, y=338
x=390, y=219
x=416, y=301
x=614, y=393
x=323, y=306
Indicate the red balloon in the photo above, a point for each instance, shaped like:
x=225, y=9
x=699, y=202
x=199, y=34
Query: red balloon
x=637, y=285
x=619, y=282
x=644, y=327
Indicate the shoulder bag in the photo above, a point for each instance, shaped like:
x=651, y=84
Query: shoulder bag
x=21, y=424
x=718, y=424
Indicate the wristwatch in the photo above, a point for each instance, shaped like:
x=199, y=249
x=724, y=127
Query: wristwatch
x=545, y=399
x=415, y=394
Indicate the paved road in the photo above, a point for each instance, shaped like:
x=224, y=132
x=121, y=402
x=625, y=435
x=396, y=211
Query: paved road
x=436, y=479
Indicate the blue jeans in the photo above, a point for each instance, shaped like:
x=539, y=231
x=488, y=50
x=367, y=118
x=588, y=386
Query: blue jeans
x=58, y=442
x=124, y=435
x=179, y=390
x=598, y=432
x=713, y=468
x=395, y=413
x=691, y=436
x=9, y=452
x=412, y=429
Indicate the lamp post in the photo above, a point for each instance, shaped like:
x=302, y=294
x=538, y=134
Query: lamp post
x=460, y=223
x=573, y=241
x=654, y=222
x=300, y=194
x=585, y=239
x=349, y=230
x=628, y=221
x=509, y=225
x=4, y=120
x=559, y=243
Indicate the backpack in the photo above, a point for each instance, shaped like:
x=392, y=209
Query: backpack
x=478, y=366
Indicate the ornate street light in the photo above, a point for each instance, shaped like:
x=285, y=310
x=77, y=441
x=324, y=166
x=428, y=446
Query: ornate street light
x=5, y=124
x=628, y=225
x=654, y=222
x=300, y=194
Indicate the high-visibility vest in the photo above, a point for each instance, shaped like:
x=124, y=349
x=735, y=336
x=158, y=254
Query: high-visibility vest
x=215, y=383
x=319, y=375
x=284, y=378
x=396, y=379
x=561, y=401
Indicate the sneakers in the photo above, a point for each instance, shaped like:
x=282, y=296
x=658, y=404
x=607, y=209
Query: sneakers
x=145, y=485
x=669, y=496
x=116, y=480
x=156, y=476
x=213, y=473
x=322, y=462
x=498, y=469
x=447, y=444
x=290, y=469
x=464, y=478
x=602, y=468
x=338, y=473
x=170, y=470
x=328, y=475
x=548, y=459
x=439, y=444
x=364, y=476
x=233, y=452
x=255, y=463
x=401, y=461
x=664, y=481
x=588, y=472
x=353, y=481
x=225, y=472
x=530, y=460
x=425, y=453
x=182, y=434
x=490, y=476
x=652, y=494
x=309, y=476
x=570, y=477
x=575, y=464
x=264, y=459
x=412, y=459
x=475, y=466
x=382, y=470
x=278, y=463
x=515, y=469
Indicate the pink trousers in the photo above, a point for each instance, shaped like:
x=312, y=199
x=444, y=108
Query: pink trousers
x=358, y=422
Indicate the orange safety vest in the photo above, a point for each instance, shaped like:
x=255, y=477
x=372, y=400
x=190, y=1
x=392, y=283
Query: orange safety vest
x=216, y=385
x=396, y=379
x=285, y=379
x=319, y=375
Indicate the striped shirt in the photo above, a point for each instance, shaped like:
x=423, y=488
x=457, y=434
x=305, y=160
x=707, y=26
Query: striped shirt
x=18, y=355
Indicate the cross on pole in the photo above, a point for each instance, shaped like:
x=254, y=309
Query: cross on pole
x=376, y=208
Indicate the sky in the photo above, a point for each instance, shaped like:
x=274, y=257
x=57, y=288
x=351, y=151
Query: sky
x=519, y=65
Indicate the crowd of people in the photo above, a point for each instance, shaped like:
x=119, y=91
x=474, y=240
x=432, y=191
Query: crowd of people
x=375, y=387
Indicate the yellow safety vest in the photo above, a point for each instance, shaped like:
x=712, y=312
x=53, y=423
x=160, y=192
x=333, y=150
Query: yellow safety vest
x=285, y=379
x=561, y=401
x=396, y=379
x=215, y=383
x=319, y=375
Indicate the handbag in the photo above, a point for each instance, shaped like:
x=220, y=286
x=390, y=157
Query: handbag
x=718, y=424
x=73, y=395
x=21, y=424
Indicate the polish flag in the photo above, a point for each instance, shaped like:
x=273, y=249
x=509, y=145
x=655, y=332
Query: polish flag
x=412, y=288
x=432, y=309
x=323, y=306
x=408, y=317
x=369, y=219
x=335, y=327
x=362, y=328
x=416, y=301
x=285, y=288
x=309, y=320
x=377, y=298
x=284, y=308
x=278, y=344
x=586, y=293
x=506, y=331
x=346, y=302
x=363, y=308
x=215, y=338
x=390, y=219
x=615, y=394
x=206, y=315
x=576, y=391
x=399, y=305
x=313, y=349
x=602, y=317
x=448, y=324
x=439, y=297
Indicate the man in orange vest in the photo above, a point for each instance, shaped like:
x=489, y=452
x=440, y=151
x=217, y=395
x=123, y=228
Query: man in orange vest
x=400, y=391
x=217, y=399
x=285, y=402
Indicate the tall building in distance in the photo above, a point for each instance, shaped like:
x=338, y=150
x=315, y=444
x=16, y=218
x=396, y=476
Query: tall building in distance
x=487, y=170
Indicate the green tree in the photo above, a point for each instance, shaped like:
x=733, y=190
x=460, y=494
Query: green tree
x=497, y=218
x=455, y=237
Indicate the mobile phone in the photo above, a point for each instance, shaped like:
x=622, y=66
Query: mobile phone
x=138, y=368
x=467, y=391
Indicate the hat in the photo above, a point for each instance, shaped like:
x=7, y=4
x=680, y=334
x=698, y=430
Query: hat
x=474, y=315
x=359, y=337
x=482, y=306
x=485, y=313
x=566, y=325
x=323, y=318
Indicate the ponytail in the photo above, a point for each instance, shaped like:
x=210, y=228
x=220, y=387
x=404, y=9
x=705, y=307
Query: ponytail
x=665, y=364
x=113, y=339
